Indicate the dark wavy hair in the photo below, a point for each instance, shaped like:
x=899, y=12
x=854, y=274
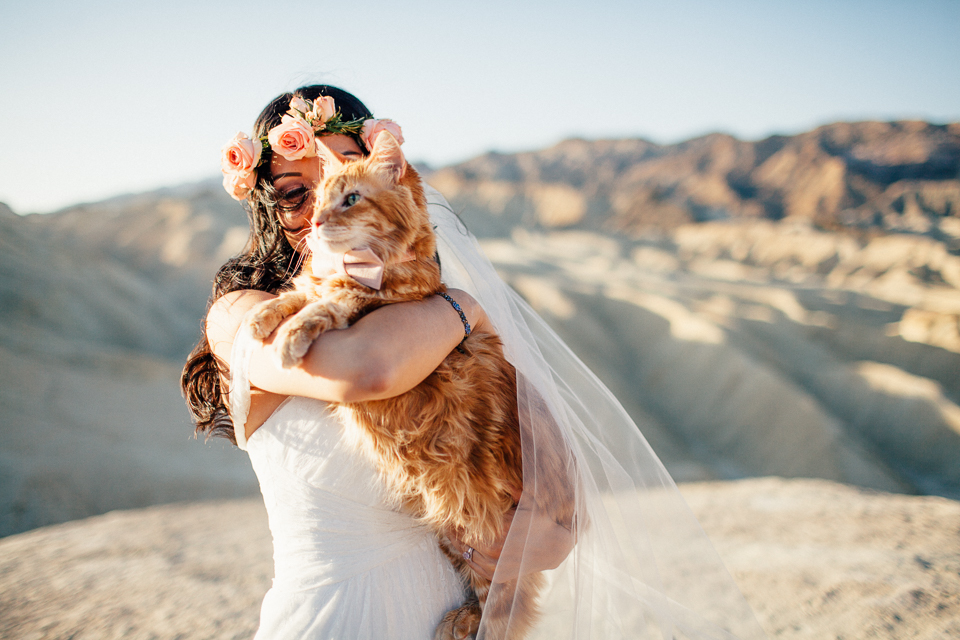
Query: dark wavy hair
x=267, y=263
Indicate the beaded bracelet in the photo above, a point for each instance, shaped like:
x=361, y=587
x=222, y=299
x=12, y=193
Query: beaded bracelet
x=463, y=319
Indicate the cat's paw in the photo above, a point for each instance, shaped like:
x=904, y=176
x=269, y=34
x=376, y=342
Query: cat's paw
x=295, y=338
x=460, y=623
x=264, y=320
x=291, y=352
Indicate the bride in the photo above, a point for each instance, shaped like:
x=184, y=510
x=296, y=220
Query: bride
x=348, y=564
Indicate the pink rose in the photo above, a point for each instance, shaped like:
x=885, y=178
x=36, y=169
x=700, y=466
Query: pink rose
x=372, y=128
x=299, y=104
x=239, y=185
x=324, y=108
x=292, y=138
x=241, y=155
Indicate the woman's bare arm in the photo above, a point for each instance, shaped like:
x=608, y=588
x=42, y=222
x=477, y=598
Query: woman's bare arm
x=385, y=353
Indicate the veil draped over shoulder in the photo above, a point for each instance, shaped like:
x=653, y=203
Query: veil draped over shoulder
x=642, y=567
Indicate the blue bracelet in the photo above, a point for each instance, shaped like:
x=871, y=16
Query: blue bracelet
x=463, y=319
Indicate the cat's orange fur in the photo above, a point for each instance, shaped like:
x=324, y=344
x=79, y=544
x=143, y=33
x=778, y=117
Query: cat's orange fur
x=449, y=449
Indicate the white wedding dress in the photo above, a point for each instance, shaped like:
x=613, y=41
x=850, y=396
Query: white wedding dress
x=347, y=564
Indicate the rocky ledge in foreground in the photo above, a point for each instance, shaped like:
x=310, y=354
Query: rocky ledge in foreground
x=814, y=558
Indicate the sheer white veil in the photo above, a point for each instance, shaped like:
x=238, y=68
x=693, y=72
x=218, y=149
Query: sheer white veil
x=642, y=567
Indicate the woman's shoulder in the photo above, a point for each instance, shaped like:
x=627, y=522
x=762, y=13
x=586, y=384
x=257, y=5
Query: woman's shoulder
x=225, y=315
x=238, y=302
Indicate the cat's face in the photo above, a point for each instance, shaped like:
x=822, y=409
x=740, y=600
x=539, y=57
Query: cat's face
x=297, y=180
x=364, y=203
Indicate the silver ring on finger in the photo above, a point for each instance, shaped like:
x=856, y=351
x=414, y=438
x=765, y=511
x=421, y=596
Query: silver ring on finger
x=468, y=554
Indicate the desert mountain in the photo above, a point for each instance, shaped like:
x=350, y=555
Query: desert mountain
x=890, y=176
x=785, y=307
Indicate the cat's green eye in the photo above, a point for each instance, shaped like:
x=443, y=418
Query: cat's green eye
x=351, y=199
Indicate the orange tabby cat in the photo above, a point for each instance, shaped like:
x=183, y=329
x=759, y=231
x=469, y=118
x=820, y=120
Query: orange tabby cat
x=449, y=449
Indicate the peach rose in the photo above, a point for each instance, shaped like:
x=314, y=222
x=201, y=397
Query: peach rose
x=239, y=185
x=372, y=128
x=241, y=155
x=299, y=104
x=324, y=108
x=292, y=138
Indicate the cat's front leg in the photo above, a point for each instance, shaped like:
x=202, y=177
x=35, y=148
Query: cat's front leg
x=295, y=337
x=264, y=318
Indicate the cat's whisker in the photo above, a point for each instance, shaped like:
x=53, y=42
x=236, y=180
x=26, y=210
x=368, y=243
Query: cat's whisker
x=300, y=251
x=298, y=255
x=299, y=263
x=301, y=244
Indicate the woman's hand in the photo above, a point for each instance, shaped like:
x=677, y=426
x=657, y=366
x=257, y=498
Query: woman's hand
x=540, y=544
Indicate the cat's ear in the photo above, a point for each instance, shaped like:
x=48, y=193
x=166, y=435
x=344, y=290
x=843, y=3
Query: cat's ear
x=386, y=156
x=330, y=160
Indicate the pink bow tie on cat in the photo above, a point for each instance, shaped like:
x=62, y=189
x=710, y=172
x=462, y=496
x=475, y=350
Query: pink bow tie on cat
x=361, y=263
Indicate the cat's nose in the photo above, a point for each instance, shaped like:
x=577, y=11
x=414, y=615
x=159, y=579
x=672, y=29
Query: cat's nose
x=319, y=220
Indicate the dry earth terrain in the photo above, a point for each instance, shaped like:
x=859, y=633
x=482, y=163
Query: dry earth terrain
x=816, y=560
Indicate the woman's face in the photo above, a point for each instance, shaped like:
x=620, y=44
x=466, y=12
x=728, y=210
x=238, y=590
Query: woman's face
x=296, y=181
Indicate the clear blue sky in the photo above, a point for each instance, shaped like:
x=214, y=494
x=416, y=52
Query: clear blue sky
x=101, y=98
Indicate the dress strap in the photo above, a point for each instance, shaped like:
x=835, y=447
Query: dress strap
x=243, y=344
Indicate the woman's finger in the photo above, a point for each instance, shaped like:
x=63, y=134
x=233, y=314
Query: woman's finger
x=480, y=563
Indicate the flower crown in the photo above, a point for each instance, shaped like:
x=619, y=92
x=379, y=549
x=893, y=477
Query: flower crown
x=294, y=138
